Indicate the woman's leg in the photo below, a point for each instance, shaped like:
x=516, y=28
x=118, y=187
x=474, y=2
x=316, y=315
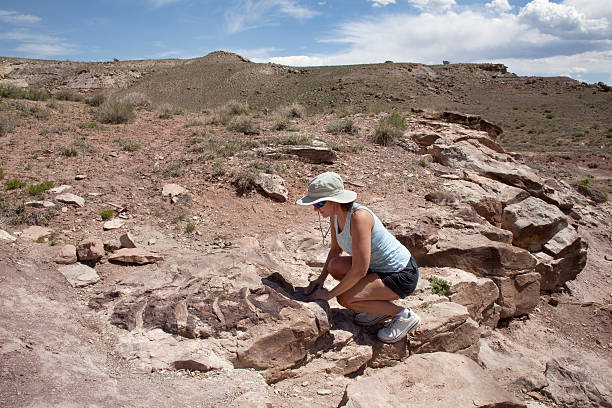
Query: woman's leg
x=339, y=266
x=370, y=295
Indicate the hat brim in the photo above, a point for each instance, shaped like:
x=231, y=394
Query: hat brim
x=346, y=196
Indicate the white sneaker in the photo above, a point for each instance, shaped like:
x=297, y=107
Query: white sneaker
x=399, y=328
x=369, y=319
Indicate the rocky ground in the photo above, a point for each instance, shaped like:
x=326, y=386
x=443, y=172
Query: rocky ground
x=218, y=320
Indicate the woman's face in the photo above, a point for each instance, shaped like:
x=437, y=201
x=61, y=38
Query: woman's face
x=327, y=210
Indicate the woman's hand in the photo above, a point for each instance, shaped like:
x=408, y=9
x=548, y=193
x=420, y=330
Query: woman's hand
x=313, y=286
x=319, y=294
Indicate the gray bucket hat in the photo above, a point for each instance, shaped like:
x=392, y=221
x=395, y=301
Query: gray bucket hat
x=327, y=187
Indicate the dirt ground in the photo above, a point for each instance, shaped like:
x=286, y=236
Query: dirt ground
x=49, y=316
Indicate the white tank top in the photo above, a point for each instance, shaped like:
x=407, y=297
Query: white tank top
x=387, y=254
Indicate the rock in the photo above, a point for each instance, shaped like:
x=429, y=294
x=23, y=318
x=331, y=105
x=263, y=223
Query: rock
x=555, y=272
x=127, y=241
x=272, y=186
x=115, y=223
x=112, y=246
x=60, y=189
x=476, y=294
x=80, y=177
x=35, y=232
x=445, y=326
x=486, y=205
x=561, y=241
x=572, y=383
x=533, y=222
x=324, y=391
x=40, y=204
x=72, y=199
x=90, y=250
x=473, y=122
x=173, y=190
x=593, y=194
x=79, y=275
x=518, y=294
x=134, y=256
x=423, y=138
x=202, y=360
x=505, y=193
x=312, y=154
x=67, y=255
x=6, y=236
x=435, y=380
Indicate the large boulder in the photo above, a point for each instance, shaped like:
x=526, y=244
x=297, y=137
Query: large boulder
x=436, y=380
x=533, y=222
x=90, y=250
x=272, y=186
x=485, y=204
x=518, y=294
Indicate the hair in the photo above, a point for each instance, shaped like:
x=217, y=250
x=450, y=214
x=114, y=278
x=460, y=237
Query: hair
x=346, y=206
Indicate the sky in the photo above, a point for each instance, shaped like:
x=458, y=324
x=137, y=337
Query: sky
x=532, y=37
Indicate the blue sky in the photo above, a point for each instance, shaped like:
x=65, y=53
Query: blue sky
x=532, y=37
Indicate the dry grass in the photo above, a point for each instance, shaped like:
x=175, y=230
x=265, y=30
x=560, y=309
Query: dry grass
x=115, y=112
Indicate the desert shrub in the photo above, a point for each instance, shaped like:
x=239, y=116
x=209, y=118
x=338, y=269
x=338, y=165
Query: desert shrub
x=38, y=189
x=33, y=94
x=190, y=228
x=390, y=128
x=128, y=145
x=107, y=214
x=245, y=181
x=88, y=125
x=68, y=95
x=280, y=122
x=68, y=151
x=7, y=124
x=165, y=111
x=14, y=184
x=586, y=183
x=293, y=140
x=439, y=286
x=96, y=99
x=346, y=148
x=295, y=110
x=137, y=100
x=342, y=126
x=242, y=124
x=193, y=123
x=226, y=113
x=115, y=112
x=211, y=148
x=59, y=130
x=54, y=105
x=174, y=168
x=1, y=173
x=377, y=109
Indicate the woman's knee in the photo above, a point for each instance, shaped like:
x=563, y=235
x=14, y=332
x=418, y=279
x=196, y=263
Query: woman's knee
x=345, y=300
x=338, y=267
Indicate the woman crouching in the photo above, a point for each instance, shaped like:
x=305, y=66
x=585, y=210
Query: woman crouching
x=378, y=268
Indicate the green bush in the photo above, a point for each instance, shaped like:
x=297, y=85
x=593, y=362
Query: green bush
x=38, y=189
x=14, y=184
x=342, y=126
x=242, y=124
x=96, y=99
x=245, y=181
x=107, y=214
x=439, y=286
x=7, y=124
x=68, y=151
x=115, y=112
x=190, y=228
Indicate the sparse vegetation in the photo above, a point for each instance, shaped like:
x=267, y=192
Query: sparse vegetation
x=390, y=128
x=128, y=145
x=115, y=112
x=226, y=113
x=245, y=181
x=68, y=151
x=68, y=95
x=165, y=111
x=1, y=173
x=342, y=126
x=137, y=100
x=193, y=123
x=212, y=148
x=89, y=125
x=32, y=94
x=174, y=168
x=295, y=111
x=7, y=124
x=38, y=189
x=292, y=140
x=439, y=286
x=190, y=228
x=96, y=99
x=243, y=124
x=14, y=184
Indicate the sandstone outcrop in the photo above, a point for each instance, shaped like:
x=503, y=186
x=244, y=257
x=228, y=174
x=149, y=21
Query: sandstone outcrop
x=134, y=256
x=79, y=275
x=90, y=250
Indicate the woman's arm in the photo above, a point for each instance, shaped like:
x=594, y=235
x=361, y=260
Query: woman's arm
x=362, y=223
x=334, y=251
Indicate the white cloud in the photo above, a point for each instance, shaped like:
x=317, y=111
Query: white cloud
x=13, y=17
x=161, y=3
x=45, y=50
x=256, y=54
x=562, y=20
x=499, y=6
x=248, y=14
x=380, y=3
x=433, y=5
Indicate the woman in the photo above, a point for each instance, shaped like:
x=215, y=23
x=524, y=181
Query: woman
x=377, y=270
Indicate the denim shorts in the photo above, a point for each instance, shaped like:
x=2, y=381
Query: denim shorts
x=404, y=282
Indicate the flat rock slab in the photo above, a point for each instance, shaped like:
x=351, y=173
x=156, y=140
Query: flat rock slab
x=435, y=380
x=60, y=189
x=173, y=190
x=134, y=256
x=6, y=236
x=79, y=275
x=113, y=224
x=127, y=241
x=34, y=232
x=40, y=204
x=72, y=199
